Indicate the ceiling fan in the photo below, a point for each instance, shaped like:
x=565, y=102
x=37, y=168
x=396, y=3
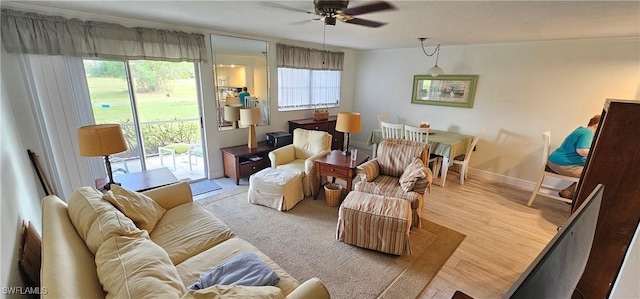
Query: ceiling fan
x=331, y=10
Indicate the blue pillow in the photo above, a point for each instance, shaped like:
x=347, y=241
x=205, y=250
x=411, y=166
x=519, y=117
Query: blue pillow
x=244, y=269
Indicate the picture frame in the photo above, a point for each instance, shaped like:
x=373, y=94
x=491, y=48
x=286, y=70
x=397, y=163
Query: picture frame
x=444, y=90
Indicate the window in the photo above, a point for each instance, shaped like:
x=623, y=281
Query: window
x=304, y=89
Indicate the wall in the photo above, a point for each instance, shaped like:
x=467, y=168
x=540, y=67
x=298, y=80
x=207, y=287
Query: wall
x=19, y=193
x=523, y=89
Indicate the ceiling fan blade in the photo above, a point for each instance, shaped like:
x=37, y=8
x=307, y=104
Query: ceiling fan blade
x=280, y=6
x=364, y=22
x=367, y=8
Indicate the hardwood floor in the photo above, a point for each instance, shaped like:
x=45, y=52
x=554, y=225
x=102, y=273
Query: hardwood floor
x=503, y=234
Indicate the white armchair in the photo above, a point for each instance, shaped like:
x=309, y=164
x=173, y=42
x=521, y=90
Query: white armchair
x=307, y=146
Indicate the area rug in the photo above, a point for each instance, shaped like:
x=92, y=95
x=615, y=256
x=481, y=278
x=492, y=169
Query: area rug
x=203, y=186
x=302, y=241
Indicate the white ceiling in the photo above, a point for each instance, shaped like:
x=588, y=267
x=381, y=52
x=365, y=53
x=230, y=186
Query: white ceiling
x=445, y=22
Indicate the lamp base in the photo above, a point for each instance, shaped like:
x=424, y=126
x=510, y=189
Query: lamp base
x=346, y=152
x=252, y=142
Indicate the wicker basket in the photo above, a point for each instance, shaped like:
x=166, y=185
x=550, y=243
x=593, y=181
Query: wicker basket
x=332, y=193
x=320, y=113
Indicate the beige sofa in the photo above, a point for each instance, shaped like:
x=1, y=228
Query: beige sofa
x=89, y=247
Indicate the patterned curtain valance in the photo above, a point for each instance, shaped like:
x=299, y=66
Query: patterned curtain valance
x=31, y=33
x=309, y=59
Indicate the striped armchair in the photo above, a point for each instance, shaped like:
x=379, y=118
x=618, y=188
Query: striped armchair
x=397, y=173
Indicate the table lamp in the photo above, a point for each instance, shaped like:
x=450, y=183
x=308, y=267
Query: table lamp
x=102, y=140
x=348, y=122
x=251, y=117
x=232, y=114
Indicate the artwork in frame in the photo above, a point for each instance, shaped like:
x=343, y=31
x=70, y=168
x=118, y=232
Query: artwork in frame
x=444, y=90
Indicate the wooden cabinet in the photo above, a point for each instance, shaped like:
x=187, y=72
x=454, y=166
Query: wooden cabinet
x=328, y=125
x=614, y=161
x=242, y=161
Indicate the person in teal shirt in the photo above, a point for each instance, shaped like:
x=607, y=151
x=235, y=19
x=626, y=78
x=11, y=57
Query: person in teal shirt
x=242, y=95
x=570, y=157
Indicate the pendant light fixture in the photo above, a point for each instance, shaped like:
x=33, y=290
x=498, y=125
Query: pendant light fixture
x=435, y=70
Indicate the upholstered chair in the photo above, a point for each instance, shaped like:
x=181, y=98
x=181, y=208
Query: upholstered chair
x=307, y=146
x=399, y=170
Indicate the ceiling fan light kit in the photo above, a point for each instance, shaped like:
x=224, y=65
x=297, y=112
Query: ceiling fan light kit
x=434, y=71
x=331, y=10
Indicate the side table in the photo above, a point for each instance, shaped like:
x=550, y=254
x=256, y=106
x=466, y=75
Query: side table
x=337, y=165
x=141, y=181
x=241, y=161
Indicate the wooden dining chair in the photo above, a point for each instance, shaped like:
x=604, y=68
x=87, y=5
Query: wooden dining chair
x=463, y=160
x=422, y=135
x=545, y=172
x=390, y=130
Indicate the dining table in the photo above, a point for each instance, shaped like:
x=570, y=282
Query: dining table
x=447, y=145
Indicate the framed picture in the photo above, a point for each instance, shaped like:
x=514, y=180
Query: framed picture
x=444, y=90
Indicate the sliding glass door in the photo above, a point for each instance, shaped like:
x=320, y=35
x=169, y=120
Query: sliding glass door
x=157, y=105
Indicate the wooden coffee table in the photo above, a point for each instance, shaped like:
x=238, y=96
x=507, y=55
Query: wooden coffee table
x=141, y=181
x=337, y=165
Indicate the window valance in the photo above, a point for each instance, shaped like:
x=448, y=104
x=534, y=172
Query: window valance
x=310, y=59
x=31, y=33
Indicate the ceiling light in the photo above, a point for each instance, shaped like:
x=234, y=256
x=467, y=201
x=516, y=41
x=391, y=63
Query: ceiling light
x=435, y=70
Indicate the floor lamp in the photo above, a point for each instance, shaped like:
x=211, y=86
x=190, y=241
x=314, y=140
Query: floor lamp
x=348, y=122
x=251, y=117
x=102, y=140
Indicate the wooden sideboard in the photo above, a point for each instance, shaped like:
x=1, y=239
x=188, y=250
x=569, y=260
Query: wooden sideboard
x=328, y=125
x=241, y=161
x=614, y=162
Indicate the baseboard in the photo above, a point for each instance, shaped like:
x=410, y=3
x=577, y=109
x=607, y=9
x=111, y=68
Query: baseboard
x=499, y=178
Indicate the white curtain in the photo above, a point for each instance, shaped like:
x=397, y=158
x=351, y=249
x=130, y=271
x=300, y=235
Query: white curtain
x=56, y=86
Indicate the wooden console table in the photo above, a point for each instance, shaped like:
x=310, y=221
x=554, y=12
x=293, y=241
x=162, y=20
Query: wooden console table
x=337, y=165
x=241, y=161
x=327, y=125
x=141, y=181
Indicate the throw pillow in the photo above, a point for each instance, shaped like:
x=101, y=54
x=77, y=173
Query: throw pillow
x=96, y=220
x=370, y=169
x=235, y=291
x=143, y=210
x=416, y=170
x=137, y=268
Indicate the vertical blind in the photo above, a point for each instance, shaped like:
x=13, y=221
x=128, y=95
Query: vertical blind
x=308, y=78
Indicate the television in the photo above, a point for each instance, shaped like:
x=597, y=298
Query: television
x=558, y=268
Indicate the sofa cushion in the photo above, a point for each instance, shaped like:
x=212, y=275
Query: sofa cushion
x=309, y=142
x=137, y=268
x=395, y=155
x=187, y=230
x=144, y=212
x=191, y=269
x=416, y=170
x=97, y=220
x=235, y=291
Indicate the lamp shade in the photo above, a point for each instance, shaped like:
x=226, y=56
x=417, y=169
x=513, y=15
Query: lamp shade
x=348, y=122
x=231, y=113
x=435, y=71
x=101, y=140
x=250, y=116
